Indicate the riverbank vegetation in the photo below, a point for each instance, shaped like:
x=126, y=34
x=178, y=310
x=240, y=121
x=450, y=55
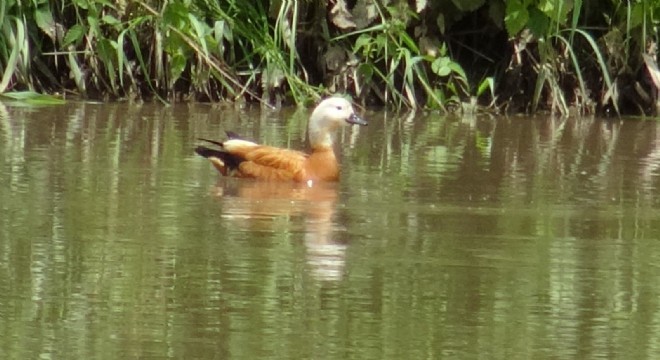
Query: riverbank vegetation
x=512, y=56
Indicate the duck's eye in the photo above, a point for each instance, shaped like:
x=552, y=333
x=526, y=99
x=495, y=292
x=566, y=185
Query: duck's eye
x=338, y=107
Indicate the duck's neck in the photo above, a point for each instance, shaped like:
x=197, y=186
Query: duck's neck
x=320, y=140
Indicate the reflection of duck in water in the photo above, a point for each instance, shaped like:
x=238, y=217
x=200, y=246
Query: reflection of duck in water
x=267, y=199
x=267, y=206
x=242, y=158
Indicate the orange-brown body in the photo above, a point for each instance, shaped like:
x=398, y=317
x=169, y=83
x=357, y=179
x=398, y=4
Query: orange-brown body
x=241, y=158
x=275, y=164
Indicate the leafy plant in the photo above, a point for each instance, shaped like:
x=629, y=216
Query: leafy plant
x=391, y=57
x=14, y=51
x=544, y=22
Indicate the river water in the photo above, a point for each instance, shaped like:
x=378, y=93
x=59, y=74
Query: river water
x=470, y=237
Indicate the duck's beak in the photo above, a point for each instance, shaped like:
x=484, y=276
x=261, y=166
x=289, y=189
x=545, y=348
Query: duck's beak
x=355, y=119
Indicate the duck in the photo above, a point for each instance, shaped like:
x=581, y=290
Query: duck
x=238, y=157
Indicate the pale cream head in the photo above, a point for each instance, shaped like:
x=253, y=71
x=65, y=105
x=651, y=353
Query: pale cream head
x=327, y=117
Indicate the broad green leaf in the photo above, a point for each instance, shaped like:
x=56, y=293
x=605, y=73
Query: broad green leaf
x=44, y=20
x=496, y=13
x=440, y=21
x=366, y=70
x=200, y=32
x=74, y=35
x=637, y=15
x=556, y=10
x=443, y=49
x=516, y=17
x=457, y=69
x=93, y=22
x=222, y=31
x=362, y=42
x=441, y=66
x=106, y=3
x=175, y=15
x=106, y=51
x=538, y=23
x=81, y=4
x=177, y=65
x=110, y=20
x=174, y=44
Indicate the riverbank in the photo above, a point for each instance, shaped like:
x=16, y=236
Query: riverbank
x=518, y=56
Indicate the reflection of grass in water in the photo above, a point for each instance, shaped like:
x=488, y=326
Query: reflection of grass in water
x=117, y=224
x=5, y=123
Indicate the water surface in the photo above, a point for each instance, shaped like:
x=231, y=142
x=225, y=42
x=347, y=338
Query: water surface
x=447, y=237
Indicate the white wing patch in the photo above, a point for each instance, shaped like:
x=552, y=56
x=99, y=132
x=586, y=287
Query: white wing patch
x=229, y=145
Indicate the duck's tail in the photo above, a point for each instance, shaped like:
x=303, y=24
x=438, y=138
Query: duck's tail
x=208, y=152
x=224, y=162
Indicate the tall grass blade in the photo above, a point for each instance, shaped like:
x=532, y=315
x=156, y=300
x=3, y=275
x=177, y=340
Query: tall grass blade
x=105, y=50
x=293, y=54
x=200, y=33
x=601, y=63
x=143, y=65
x=122, y=60
x=77, y=73
x=577, y=9
x=11, y=67
x=540, y=82
x=24, y=49
x=159, y=55
x=3, y=11
x=576, y=65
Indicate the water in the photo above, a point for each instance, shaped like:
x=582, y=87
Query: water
x=447, y=237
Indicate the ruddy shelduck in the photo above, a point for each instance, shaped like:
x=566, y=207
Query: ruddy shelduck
x=242, y=158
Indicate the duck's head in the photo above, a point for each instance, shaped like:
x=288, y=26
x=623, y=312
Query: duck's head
x=336, y=111
x=329, y=115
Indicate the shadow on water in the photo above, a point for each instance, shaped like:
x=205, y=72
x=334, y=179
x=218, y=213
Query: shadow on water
x=446, y=237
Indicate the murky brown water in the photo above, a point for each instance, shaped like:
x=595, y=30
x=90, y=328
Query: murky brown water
x=464, y=238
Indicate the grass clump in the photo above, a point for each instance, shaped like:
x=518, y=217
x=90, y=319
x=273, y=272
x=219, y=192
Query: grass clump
x=514, y=55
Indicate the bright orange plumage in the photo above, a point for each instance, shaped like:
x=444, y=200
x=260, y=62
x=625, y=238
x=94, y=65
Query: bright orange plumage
x=242, y=158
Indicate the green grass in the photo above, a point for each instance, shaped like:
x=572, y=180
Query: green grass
x=399, y=54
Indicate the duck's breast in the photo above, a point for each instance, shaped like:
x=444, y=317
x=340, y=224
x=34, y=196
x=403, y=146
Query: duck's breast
x=321, y=165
